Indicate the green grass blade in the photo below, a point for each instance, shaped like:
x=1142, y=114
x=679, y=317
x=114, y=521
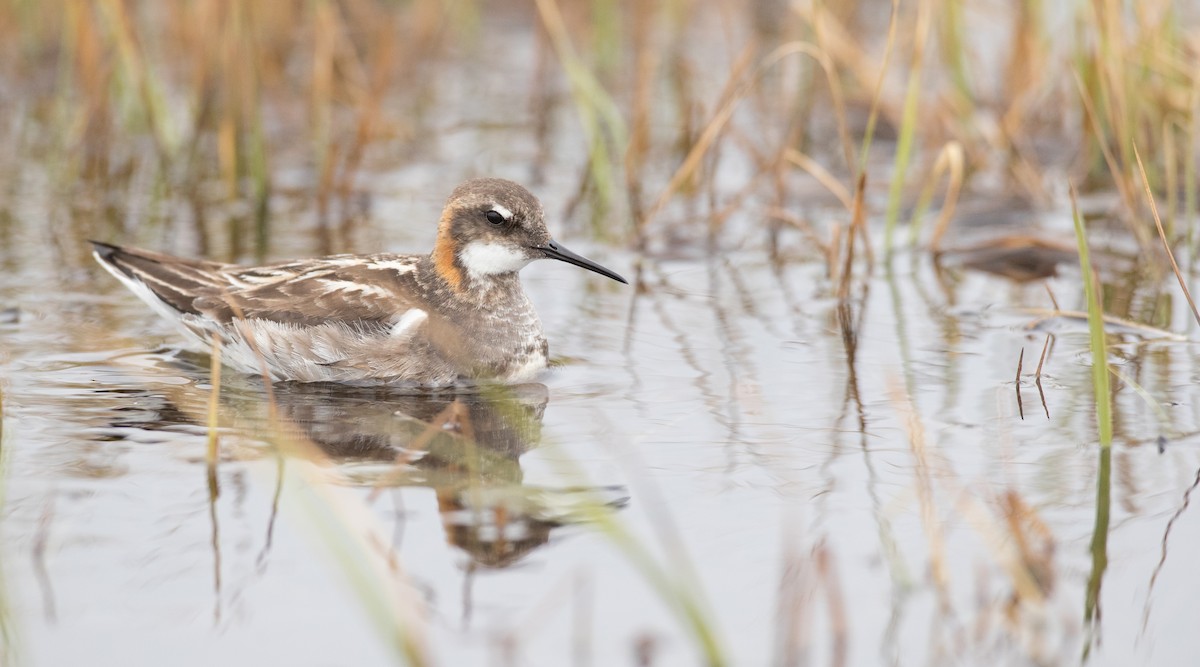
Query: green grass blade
x=908, y=128
x=1100, y=382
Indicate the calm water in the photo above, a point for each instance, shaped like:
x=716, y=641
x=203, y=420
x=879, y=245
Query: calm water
x=716, y=412
x=844, y=486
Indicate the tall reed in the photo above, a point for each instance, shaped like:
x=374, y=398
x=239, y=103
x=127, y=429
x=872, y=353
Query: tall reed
x=1097, y=340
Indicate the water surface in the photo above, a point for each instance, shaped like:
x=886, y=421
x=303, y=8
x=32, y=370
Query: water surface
x=847, y=482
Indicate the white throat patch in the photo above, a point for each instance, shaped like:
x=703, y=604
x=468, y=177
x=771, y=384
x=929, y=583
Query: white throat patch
x=488, y=259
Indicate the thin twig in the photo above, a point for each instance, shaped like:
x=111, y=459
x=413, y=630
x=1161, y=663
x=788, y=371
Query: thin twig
x=1052, y=299
x=1020, y=363
x=858, y=218
x=214, y=402
x=1037, y=376
x=1162, y=235
x=1042, y=359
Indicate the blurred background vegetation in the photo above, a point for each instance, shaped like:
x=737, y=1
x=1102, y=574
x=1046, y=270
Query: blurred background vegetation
x=662, y=126
x=686, y=113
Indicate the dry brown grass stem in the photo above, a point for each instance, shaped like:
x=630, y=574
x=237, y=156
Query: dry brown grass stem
x=212, y=453
x=1020, y=363
x=828, y=250
x=846, y=48
x=949, y=159
x=877, y=104
x=1120, y=180
x=1050, y=293
x=1037, y=376
x=1162, y=235
x=1144, y=330
x=708, y=136
x=734, y=204
x=822, y=175
x=1111, y=73
x=646, y=63
x=737, y=89
x=858, y=221
x=324, y=44
x=134, y=63
x=1042, y=359
x=832, y=270
x=1025, y=66
x=371, y=106
x=831, y=78
x=908, y=124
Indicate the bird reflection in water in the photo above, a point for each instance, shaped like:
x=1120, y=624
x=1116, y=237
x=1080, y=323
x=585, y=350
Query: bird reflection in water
x=464, y=444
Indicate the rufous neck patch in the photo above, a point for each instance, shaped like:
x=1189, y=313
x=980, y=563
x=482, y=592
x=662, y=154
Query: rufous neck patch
x=444, y=252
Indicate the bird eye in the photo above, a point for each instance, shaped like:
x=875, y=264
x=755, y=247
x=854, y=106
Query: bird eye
x=495, y=217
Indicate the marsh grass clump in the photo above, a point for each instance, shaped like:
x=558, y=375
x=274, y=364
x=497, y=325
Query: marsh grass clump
x=682, y=129
x=221, y=90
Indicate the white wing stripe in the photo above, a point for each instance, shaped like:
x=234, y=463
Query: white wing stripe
x=409, y=322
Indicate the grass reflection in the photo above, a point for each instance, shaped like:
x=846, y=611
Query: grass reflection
x=1099, y=550
x=252, y=126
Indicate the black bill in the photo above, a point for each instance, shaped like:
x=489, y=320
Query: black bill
x=555, y=251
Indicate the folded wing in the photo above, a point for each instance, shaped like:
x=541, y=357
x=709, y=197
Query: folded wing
x=363, y=291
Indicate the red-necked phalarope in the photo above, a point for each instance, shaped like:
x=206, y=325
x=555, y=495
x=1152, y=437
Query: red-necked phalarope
x=456, y=314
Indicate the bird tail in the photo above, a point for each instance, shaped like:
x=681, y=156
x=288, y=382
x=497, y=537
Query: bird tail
x=159, y=280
